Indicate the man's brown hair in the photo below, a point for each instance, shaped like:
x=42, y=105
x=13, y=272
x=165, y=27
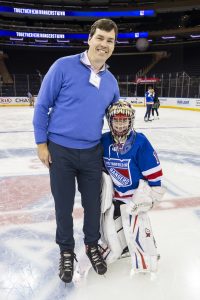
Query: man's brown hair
x=104, y=24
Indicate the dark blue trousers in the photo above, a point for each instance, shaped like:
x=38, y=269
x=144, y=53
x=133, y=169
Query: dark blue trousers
x=85, y=166
x=148, y=110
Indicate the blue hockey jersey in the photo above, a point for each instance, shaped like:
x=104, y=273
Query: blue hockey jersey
x=137, y=161
x=149, y=97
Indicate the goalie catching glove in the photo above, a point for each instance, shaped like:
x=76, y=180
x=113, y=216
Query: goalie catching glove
x=144, y=198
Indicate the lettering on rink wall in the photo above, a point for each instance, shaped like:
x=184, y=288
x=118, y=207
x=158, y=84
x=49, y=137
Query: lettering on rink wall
x=177, y=103
x=15, y=101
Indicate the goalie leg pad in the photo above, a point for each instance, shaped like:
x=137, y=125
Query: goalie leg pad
x=140, y=240
x=112, y=236
x=120, y=232
x=106, y=192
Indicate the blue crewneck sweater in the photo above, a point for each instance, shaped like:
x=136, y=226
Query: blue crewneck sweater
x=69, y=109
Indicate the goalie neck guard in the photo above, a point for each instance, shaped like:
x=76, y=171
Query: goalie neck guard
x=120, y=116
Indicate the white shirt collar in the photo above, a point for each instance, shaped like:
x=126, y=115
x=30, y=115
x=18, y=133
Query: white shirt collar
x=85, y=61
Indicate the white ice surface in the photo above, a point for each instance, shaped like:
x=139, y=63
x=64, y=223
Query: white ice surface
x=29, y=255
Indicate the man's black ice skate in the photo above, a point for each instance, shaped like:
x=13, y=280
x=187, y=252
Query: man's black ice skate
x=96, y=259
x=66, y=266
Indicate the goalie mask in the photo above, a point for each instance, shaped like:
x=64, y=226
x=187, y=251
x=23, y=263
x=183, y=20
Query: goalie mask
x=120, y=117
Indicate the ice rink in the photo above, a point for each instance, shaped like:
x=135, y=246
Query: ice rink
x=29, y=256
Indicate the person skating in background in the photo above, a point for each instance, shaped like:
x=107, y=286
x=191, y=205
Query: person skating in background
x=149, y=99
x=155, y=106
x=31, y=99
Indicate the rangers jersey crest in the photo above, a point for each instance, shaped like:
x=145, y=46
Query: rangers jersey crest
x=119, y=170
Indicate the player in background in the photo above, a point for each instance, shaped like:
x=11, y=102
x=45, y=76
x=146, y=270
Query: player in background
x=149, y=97
x=31, y=99
x=130, y=190
x=155, y=106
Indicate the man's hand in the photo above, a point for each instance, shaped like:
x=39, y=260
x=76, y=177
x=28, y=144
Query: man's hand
x=44, y=155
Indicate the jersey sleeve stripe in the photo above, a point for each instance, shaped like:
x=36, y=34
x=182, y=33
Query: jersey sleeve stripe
x=152, y=170
x=154, y=175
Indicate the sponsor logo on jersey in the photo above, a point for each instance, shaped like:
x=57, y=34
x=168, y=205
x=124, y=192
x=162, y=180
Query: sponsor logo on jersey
x=148, y=232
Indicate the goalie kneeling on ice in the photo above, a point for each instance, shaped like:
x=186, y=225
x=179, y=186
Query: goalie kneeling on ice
x=132, y=228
